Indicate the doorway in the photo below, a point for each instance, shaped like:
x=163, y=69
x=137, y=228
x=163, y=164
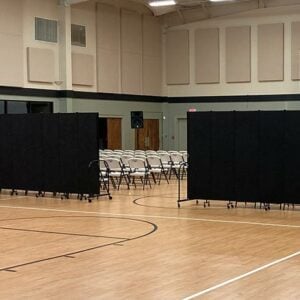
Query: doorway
x=110, y=132
x=182, y=134
x=147, y=138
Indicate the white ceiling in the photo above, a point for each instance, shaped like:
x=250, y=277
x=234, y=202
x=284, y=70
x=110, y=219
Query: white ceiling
x=186, y=11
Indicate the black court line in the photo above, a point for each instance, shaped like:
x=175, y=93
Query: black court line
x=64, y=233
x=71, y=254
x=135, y=201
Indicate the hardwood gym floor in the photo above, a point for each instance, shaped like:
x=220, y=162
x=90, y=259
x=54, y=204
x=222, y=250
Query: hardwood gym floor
x=139, y=245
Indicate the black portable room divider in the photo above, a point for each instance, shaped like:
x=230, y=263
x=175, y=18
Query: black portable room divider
x=244, y=156
x=49, y=152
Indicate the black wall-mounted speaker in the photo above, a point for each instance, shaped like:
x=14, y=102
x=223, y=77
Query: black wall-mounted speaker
x=137, y=119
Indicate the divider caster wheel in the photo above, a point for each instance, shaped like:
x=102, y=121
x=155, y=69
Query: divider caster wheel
x=228, y=206
x=204, y=204
x=197, y=202
x=208, y=204
x=110, y=197
x=232, y=206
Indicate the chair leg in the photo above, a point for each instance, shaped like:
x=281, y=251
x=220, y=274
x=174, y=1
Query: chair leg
x=153, y=176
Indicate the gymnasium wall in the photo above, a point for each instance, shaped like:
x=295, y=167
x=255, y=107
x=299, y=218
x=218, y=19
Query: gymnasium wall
x=11, y=43
x=122, y=52
x=122, y=109
x=257, y=53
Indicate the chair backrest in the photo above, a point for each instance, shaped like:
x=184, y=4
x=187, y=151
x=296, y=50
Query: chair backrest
x=128, y=152
x=139, y=152
x=142, y=156
x=136, y=163
x=125, y=158
x=154, y=161
x=151, y=152
x=115, y=155
x=185, y=157
x=176, y=157
x=165, y=157
x=113, y=164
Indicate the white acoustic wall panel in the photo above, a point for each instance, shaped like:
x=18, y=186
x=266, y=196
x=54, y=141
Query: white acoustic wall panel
x=151, y=36
x=295, y=51
x=207, y=55
x=152, y=75
x=270, y=52
x=152, y=68
x=41, y=65
x=11, y=16
x=238, y=54
x=108, y=70
x=131, y=52
x=131, y=73
x=108, y=27
x=177, y=57
x=82, y=69
x=131, y=31
x=108, y=48
x=11, y=60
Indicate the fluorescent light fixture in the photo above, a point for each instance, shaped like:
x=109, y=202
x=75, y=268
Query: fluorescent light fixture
x=162, y=3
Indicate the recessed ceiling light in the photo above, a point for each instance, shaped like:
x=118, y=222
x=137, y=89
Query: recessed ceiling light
x=162, y=3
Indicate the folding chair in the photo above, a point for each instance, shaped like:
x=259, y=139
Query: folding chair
x=156, y=168
x=116, y=172
x=139, y=169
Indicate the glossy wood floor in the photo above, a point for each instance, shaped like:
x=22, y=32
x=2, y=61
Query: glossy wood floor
x=139, y=245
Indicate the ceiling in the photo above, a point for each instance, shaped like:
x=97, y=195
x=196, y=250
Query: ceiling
x=187, y=11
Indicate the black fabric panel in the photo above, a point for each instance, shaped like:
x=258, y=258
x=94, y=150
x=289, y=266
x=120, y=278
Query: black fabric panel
x=45, y=152
x=69, y=152
x=246, y=156
x=51, y=154
x=27, y=152
x=271, y=158
x=292, y=157
x=6, y=151
x=199, y=149
x=222, y=160
x=88, y=149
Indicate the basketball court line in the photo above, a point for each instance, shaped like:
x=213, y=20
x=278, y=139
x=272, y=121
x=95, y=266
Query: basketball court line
x=12, y=198
x=237, y=278
x=154, y=216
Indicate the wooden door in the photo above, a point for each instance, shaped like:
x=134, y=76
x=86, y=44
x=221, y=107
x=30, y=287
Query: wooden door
x=147, y=138
x=114, y=133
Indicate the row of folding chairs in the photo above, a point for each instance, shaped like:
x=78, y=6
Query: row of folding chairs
x=172, y=163
x=130, y=170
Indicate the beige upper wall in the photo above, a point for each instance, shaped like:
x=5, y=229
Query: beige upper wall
x=11, y=43
x=261, y=17
x=47, y=9
x=85, y=14
x=122, y=63
x=128, y=51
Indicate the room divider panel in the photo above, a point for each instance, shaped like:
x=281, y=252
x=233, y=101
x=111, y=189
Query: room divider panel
x=244, y=156
x=49, y=152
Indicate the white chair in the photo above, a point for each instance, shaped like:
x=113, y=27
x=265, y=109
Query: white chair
x=156, y=168
x=104, y=177
x=166, y=161
x=116, y=172
x=176, y=160
x=139, y=169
